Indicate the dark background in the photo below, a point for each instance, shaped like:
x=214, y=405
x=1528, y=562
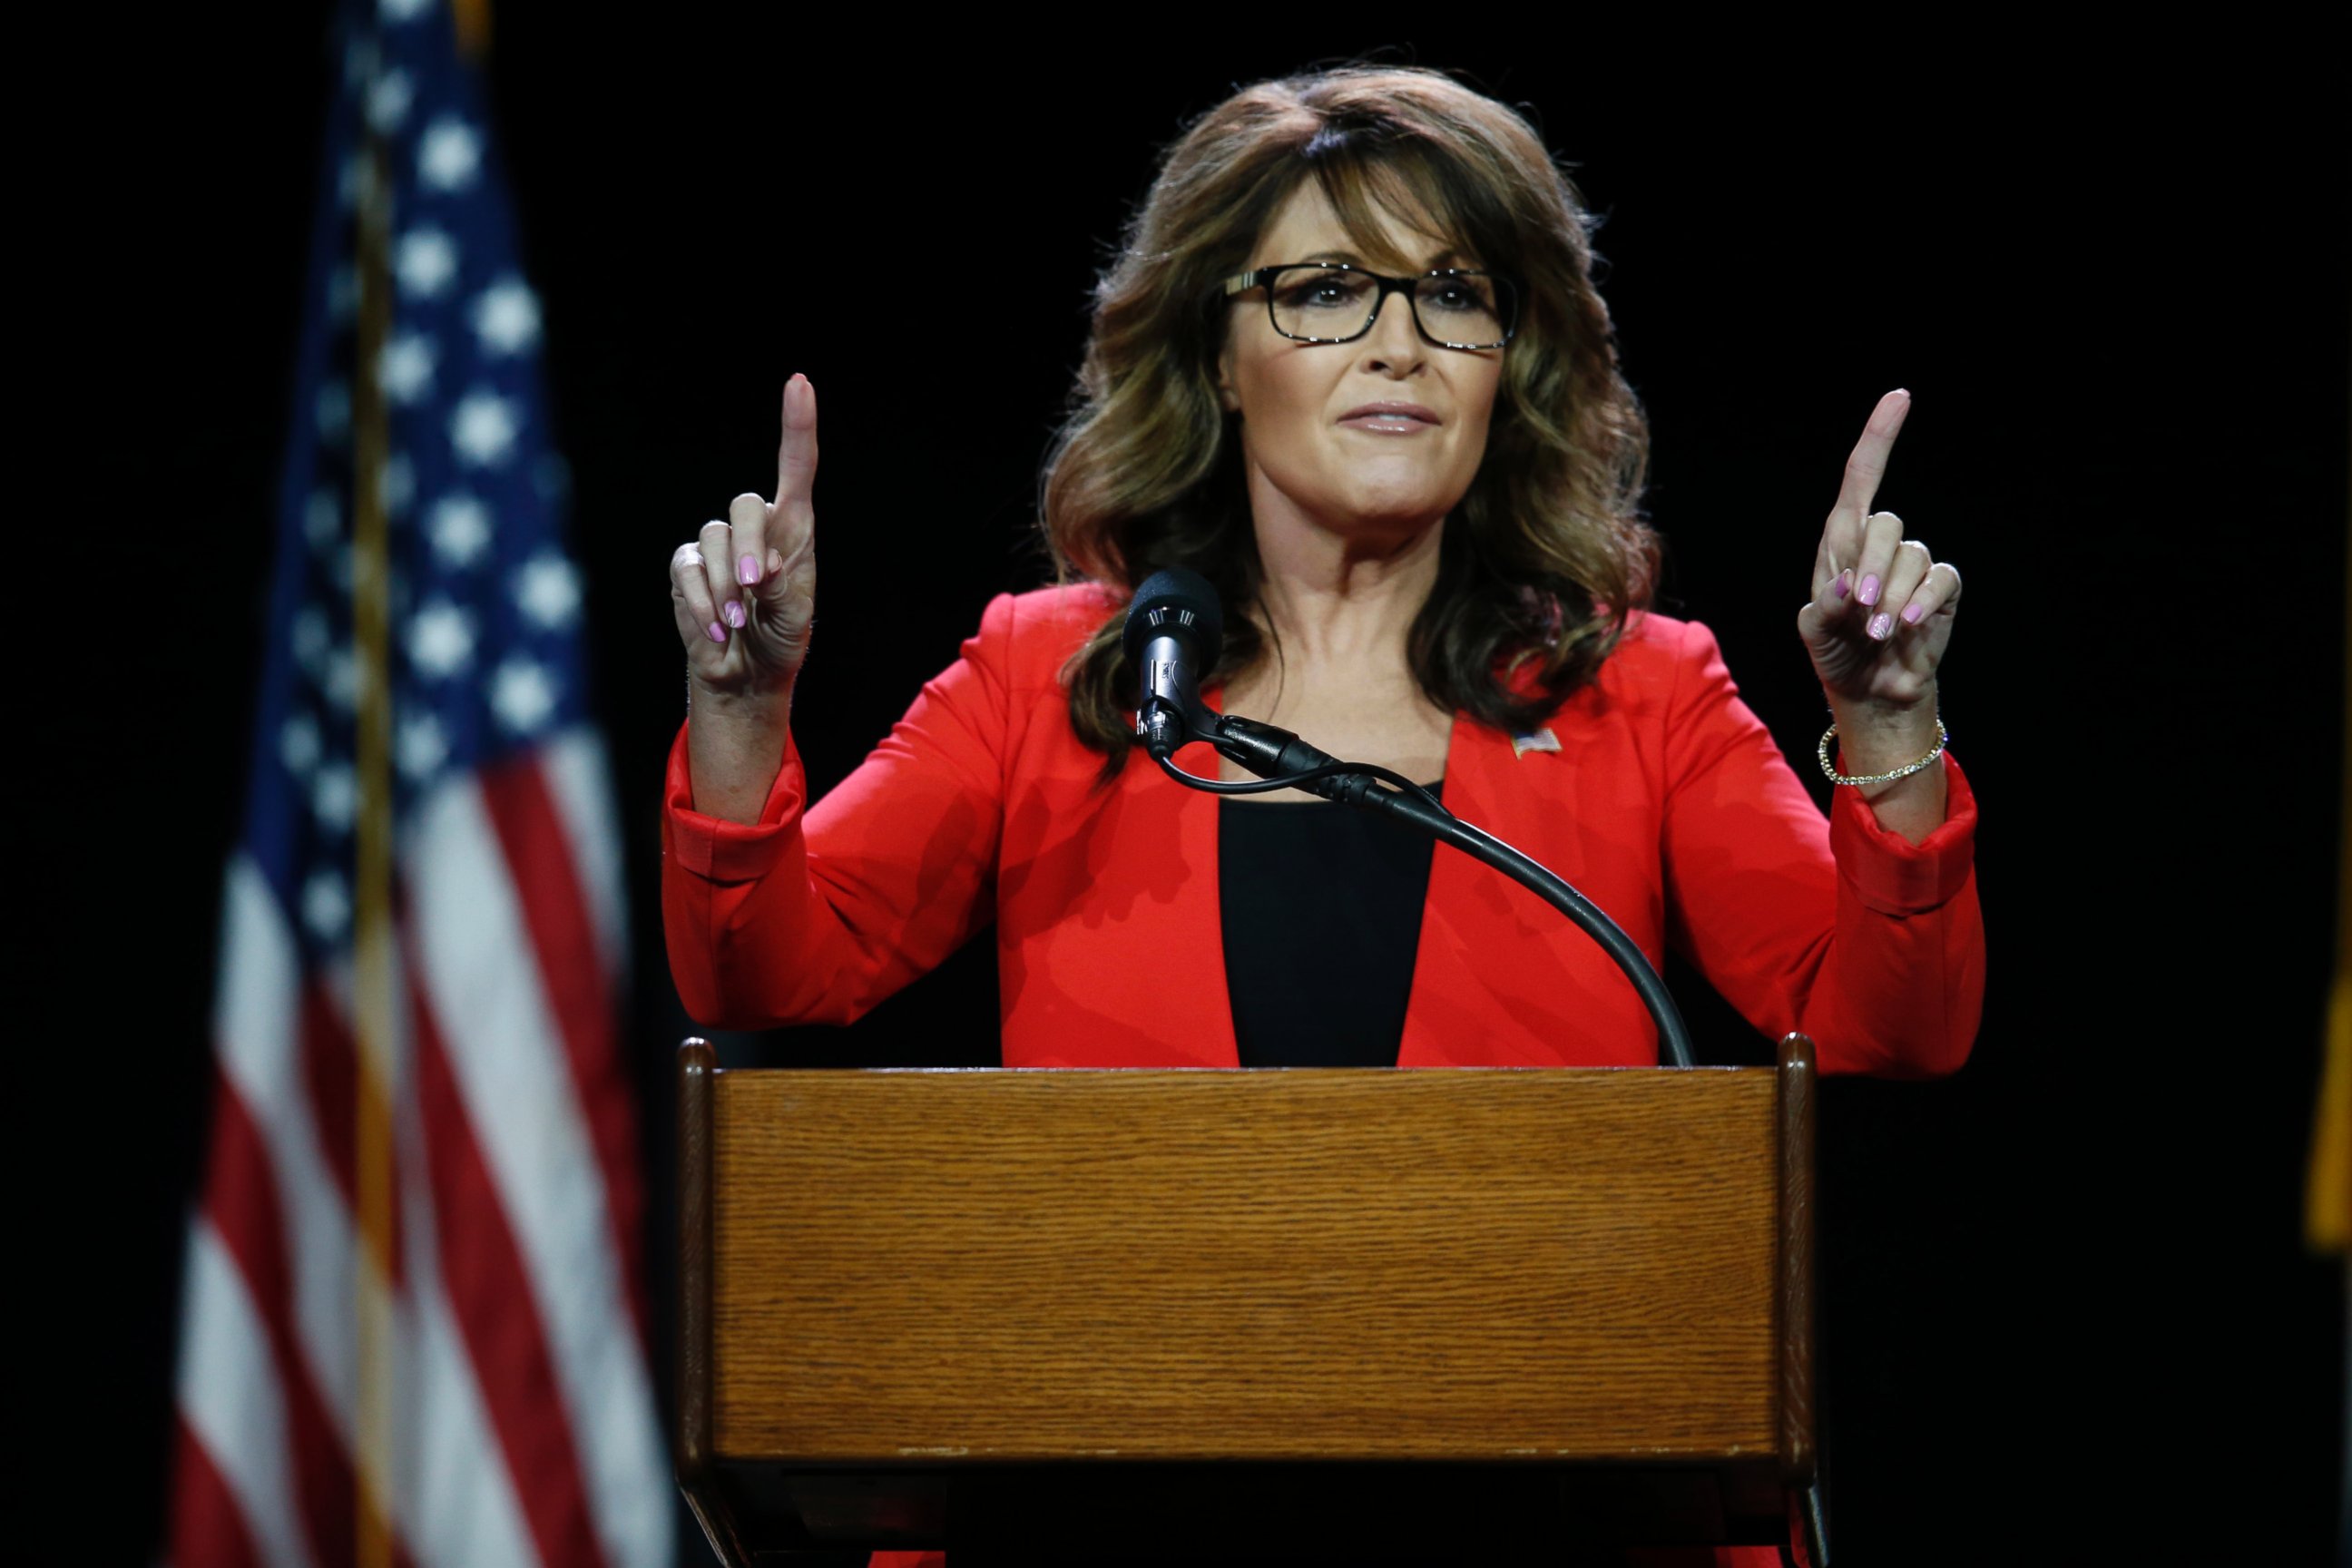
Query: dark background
x=2067, y=1306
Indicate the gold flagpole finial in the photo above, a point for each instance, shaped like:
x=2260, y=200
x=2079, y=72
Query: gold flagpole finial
x=473, y=18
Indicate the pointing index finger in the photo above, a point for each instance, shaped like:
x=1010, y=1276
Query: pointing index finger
x=796, y=454
x=1864, y=470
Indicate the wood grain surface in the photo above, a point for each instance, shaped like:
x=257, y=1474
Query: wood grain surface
x=698, y=1072
x=1795, y=1326
x=1179, y=1265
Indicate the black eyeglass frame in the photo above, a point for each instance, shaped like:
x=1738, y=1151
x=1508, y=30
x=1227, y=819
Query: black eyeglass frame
x=1507, y=298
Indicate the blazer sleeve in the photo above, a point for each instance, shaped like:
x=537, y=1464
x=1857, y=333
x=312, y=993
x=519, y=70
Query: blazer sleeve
x=815, y=914
x=1870, y=944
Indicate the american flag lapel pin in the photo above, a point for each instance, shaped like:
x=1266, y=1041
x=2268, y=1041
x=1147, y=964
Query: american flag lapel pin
x=1542, y=739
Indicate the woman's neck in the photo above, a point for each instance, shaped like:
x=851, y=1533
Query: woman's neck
x=1339, y=608
x=1342, y=600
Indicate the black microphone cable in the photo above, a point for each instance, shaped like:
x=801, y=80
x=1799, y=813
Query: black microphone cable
x=1259, y=747
x=1301, y=781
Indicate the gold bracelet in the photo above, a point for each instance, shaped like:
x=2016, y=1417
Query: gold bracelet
x=1903, y=773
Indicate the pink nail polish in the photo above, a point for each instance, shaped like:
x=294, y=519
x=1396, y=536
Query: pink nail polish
x=1870, y=589
x=1880, y=624
x=1843, y=584
x=717, y=632
x=733, y=615
x=1911, y=613
x=746, y=571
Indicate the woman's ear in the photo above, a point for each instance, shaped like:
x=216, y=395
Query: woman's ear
x=1227, y=398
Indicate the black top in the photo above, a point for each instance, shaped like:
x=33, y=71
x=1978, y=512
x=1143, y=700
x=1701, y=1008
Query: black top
x=1322, y=915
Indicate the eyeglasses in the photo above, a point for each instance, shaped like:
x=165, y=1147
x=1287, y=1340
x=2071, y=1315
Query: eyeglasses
x=1332, y=302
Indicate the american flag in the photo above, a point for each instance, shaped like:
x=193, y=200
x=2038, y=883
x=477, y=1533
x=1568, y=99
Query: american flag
x=412, y=1327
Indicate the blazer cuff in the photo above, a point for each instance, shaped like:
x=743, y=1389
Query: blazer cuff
x=722, y=852
x=1888, y=872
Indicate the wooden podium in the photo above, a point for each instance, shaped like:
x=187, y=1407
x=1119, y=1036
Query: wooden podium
x=1200, y=1316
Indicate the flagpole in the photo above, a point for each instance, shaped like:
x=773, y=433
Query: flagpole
x=375, y=1014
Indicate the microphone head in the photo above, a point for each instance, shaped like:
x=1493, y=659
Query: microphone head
x=1182, y=603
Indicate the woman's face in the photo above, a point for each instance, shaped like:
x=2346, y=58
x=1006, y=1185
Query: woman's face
x=1379, y=437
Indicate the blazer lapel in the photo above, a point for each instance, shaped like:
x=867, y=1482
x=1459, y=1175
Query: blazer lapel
x=1111, y=951
x=1501, y=977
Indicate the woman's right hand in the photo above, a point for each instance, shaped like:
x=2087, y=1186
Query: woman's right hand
x=744, y=592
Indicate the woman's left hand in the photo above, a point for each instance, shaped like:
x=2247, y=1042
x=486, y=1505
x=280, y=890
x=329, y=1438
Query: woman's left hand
x=1881, y=611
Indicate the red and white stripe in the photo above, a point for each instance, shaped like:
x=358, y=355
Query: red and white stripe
x=527, y=1431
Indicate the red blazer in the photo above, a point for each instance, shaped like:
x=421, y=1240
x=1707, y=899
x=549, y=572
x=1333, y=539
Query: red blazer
x=1667, y=802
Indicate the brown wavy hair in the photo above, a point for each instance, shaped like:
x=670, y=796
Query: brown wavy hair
x=1545, y=554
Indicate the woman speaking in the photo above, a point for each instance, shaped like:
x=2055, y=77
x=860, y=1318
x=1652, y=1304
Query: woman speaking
x=1351, y=368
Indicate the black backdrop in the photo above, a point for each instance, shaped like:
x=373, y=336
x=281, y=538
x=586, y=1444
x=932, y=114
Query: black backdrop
x=2066, y=1303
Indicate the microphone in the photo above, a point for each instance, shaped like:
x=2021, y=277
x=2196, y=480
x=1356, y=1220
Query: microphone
x=1175, y=629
